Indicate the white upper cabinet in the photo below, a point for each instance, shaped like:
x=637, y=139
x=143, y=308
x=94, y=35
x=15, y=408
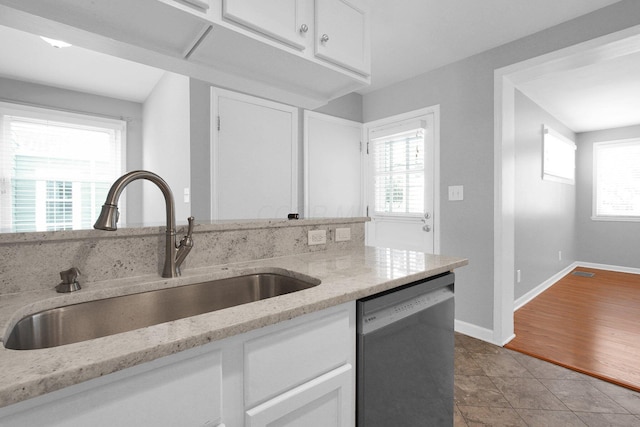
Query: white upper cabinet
x=298, y=52
x=342, y=34
x=283, y=20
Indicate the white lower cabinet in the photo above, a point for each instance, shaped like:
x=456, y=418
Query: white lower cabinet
x=297, y=372
x=180, y=393
x=302, y=375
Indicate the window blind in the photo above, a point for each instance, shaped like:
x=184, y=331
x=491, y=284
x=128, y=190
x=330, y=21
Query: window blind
x=55, y=173
x=617, y=179
x=398, y=169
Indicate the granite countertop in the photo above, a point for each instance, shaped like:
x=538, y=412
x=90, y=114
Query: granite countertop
x=345, y=276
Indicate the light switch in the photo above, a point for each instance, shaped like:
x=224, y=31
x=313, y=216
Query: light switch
x=456, y=192
x=187, y=194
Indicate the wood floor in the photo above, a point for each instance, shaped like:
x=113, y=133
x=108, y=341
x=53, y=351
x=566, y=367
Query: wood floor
x=591, y=325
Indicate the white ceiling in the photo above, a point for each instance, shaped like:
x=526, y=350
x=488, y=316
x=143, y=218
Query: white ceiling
x=604, y=95
x=28, y=58
x=409, y=37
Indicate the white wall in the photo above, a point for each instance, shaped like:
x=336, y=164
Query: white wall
x=464, y=91
x=166, y=148
x=603, y=242
x=545, y=211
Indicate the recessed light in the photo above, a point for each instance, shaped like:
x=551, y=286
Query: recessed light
x=55, y=43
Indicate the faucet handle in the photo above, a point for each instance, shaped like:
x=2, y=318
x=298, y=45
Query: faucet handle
x=185, y=245
x=191, y=221
x=69, y=280
x=187, y=241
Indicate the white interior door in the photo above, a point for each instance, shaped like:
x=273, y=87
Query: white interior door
x=333, y=166
x=402, y=182
x=254, y=157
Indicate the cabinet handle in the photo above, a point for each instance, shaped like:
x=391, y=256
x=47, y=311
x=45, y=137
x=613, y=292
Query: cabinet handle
x=324, y=38
x=304, y=28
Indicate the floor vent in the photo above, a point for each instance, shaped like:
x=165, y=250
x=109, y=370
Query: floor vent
x=583, y=274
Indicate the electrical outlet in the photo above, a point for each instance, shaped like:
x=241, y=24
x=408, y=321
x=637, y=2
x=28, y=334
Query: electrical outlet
x=518, y=276
x=343, y=234
x=317, y=237
x=456, y=192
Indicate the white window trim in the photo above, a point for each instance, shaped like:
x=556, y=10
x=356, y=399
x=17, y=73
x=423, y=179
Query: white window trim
x=83, y=119
x=546, y=176
x=594, y=188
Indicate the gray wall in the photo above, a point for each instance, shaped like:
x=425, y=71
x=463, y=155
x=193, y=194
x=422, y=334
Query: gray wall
x=347, y=107
x=200, y=106
x=603, y=242
x=79, y=102
x=464, y=91
x=545, y=211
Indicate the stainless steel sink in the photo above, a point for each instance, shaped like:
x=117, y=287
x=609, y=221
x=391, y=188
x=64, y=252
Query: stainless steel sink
x=99, y=318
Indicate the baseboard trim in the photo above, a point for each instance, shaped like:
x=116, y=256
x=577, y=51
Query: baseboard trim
x=617, y=268
x=517, y=304
x=474, y=331
x=524, y=299
x=487, y=335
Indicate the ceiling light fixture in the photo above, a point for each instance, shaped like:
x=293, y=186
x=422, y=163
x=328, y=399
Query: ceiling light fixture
x=55, y=43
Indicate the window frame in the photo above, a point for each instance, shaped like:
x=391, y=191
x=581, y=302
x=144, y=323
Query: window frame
x=594, y=198
x=80, y=119
x=389, y=132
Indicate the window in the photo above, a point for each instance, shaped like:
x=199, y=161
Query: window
x=559, y=159
x=399, y=169
x=57, y=167
x=616, y=180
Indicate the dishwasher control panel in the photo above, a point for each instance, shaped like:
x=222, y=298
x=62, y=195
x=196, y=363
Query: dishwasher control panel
x=387, y=315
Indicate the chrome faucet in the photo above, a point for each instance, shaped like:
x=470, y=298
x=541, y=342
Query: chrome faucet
x=174, y=254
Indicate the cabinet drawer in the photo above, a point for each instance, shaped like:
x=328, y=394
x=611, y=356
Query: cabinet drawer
x=285, y=359
x=321, y=402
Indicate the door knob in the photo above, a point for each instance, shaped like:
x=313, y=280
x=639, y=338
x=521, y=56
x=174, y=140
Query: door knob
x=324, y=38
x=304, y=28
x=426, y=228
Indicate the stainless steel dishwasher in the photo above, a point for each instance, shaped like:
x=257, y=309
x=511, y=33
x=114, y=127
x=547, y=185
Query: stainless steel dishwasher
x=405, y=354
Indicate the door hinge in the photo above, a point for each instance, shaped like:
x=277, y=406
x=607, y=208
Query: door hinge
x=367, y=211
x=218, y=122
x=367, y=147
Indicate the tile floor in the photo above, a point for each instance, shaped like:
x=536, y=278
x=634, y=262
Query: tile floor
x=500, y=387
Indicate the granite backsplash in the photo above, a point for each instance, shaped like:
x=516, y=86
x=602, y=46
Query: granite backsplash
x=32, y=261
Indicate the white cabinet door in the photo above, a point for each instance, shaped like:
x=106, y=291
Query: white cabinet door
x=254, y=157
x=342, y=34
x=289, y=357
x=322, y=402
x=333, y=167
x=160, y=393
x=282, y=20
